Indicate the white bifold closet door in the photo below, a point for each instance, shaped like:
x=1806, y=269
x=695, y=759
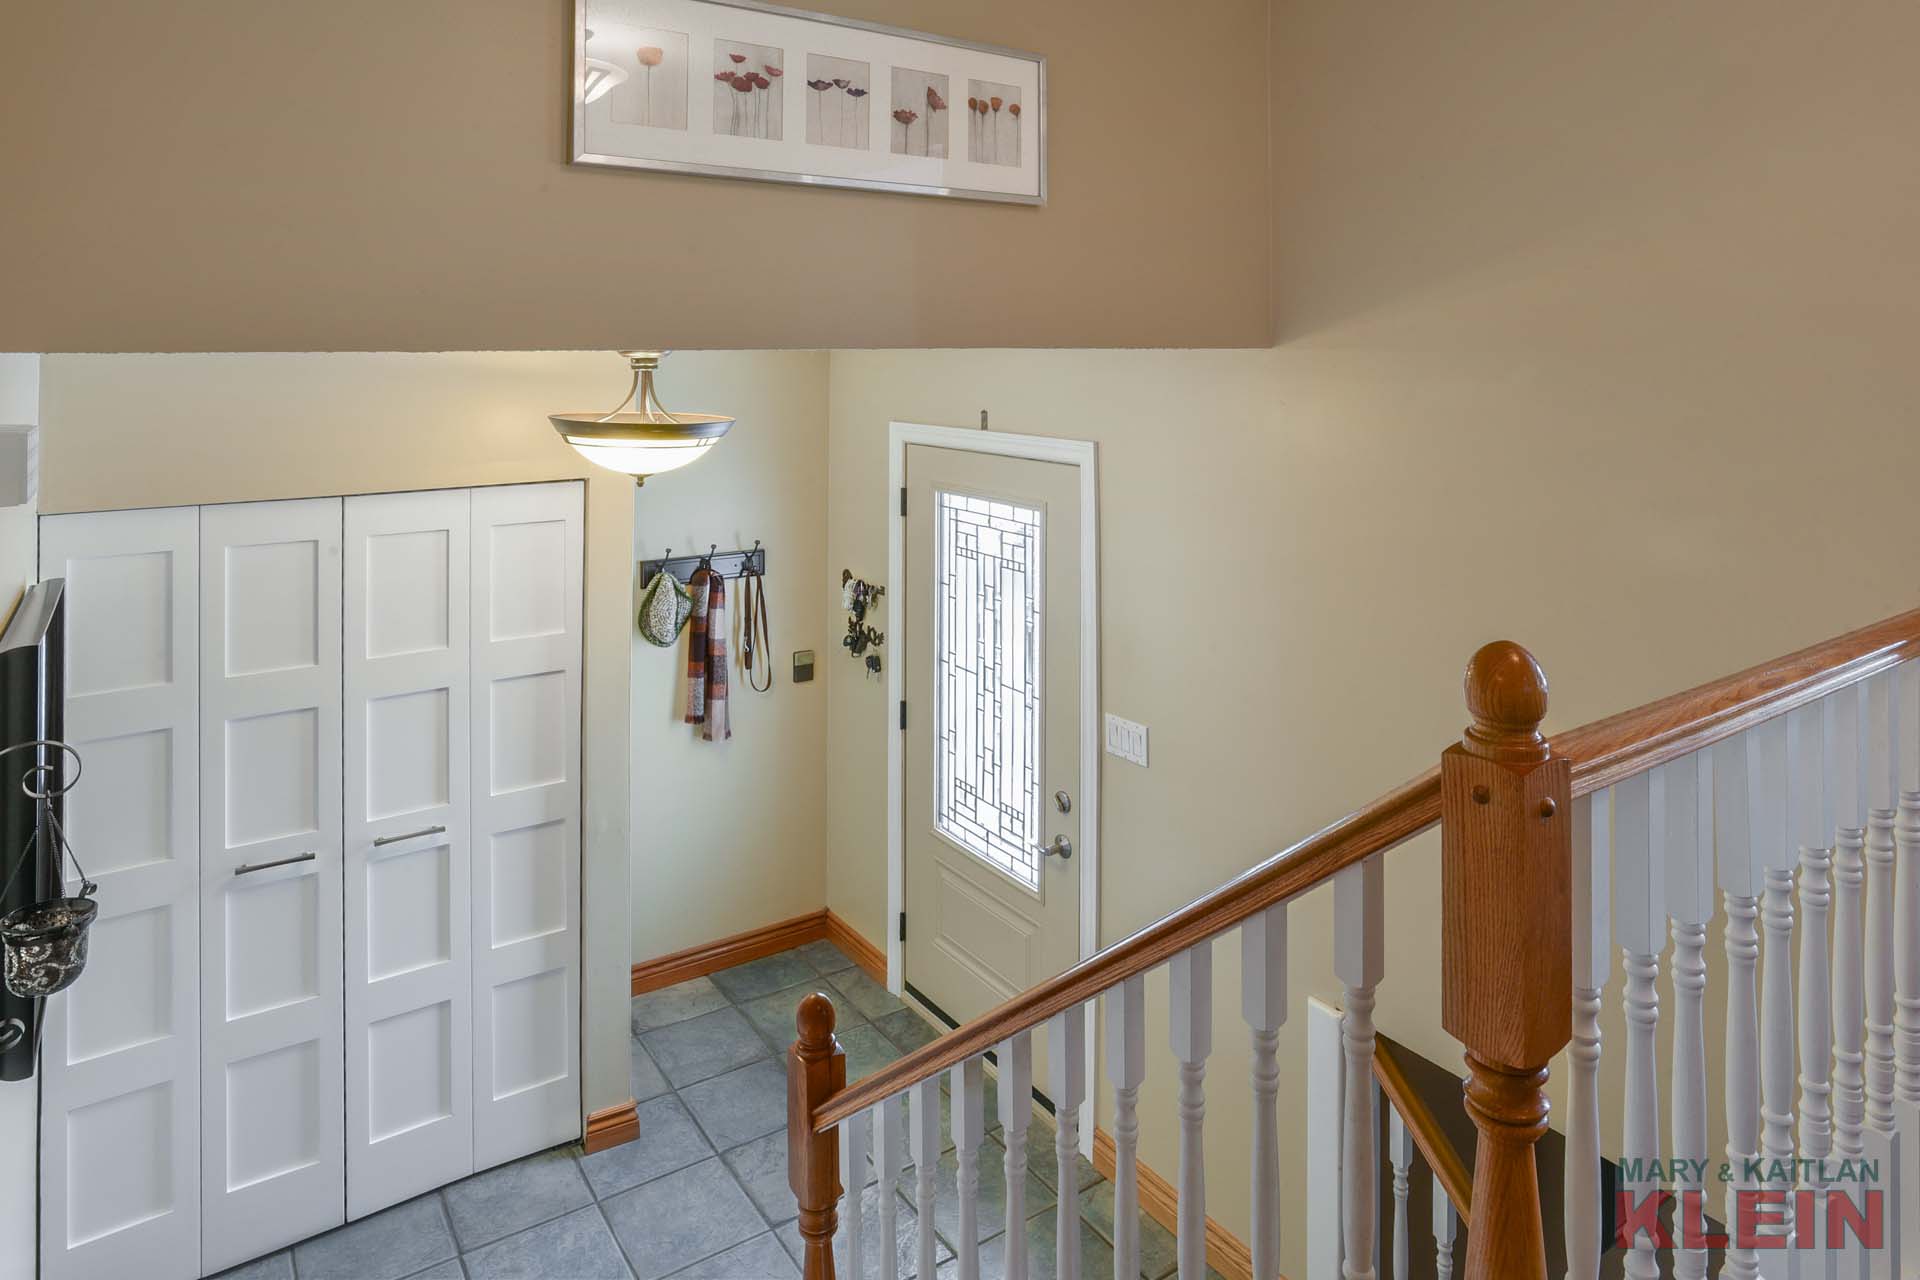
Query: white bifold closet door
x=409, y=972
x=272, y=1159
x=120, y=1061
x=527, y=564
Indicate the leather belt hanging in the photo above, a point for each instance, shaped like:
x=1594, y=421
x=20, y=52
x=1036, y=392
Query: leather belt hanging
x=756, y=637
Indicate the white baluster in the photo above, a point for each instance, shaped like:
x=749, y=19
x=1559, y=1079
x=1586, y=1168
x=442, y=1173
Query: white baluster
x=1811, y=820
x=1263, y=1003
x=1190, y=1001
x=1639, y=928
x=1906, y=1019
x=1687, y=830
x=1881, y=769
x=1016, y=1114
x=1738, y=880
x=1326, y=1132
x=1359, y=960
x=1127, y=1067
x=924, y=1126
x=1067, y=1082
x=1445, y=1222
x=967, y=1098
x=889, y=1157
x=1846, y=794
x=1767, y=828
x=1592, y=954
x=854, y=1137
x=1400, y=1155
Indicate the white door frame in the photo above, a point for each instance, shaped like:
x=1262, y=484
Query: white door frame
x=1074, y=453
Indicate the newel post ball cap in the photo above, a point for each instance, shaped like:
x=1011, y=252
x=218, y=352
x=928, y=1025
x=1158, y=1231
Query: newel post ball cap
x=1506, y=695
x=814, y=1019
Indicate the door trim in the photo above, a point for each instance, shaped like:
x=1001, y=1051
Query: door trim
x=1075, y=453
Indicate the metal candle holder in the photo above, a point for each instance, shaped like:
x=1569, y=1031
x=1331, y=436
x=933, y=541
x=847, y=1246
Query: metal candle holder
x=45, y=943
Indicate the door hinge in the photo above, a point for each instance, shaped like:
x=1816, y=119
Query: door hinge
x=903, y=713
x=903, y=500
x=903, y=926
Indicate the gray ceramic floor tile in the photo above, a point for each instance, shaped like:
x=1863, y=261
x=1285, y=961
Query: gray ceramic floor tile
x=704, y=1046
x=390, y=1244
x=764, y=976
x=906, y=1244
x=1096, y=1255
x=989, y=1099
x=644, y=1075
x=1041, y=1158
x=448, y=1270
x=760, y=1167
x=772, y=1016
x=677, y=1003
x=669, y=1140
x=863, y=993
x=761, y=1258
x=275, y=1266
x=514, y=1196
x=1158, y=1251
x=740, y=1105
x=907, y=1029
x=825, y=957
x=867, y=1051
x=578, y=1246
x=675, y=1221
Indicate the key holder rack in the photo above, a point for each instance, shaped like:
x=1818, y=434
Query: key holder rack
x=728, y=564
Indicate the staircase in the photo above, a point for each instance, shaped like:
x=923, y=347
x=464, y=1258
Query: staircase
x=1785, y=798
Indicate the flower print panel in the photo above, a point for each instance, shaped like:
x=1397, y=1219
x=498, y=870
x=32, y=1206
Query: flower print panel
x=838, y=113
x=919, y=113
x=748, y=94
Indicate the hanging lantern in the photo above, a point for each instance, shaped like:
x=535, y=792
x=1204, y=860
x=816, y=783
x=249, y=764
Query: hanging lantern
x=640, y=437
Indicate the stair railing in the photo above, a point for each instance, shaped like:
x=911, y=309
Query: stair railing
x=1551, y=853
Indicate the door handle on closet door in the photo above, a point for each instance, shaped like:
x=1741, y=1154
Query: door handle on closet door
x=409, y=835
x=246, y=868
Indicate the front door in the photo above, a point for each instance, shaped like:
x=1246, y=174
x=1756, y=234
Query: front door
x=992, y=653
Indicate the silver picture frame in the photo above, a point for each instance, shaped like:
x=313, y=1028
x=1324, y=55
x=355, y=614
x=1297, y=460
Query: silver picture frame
x=588, y=150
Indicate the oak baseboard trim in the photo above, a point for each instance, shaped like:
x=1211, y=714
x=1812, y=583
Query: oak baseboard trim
x=612, y=1126
x=1159, y=1200
x=872, y=959
x=754, y=944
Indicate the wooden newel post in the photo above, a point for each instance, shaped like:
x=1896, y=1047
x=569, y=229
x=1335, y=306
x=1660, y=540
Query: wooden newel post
x=816, y=1070
x=1507, y=944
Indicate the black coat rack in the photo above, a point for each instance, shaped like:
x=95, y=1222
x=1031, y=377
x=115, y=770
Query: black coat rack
x=728, y=564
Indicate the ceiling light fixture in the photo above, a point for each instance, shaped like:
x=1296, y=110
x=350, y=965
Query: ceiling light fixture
x=640, y=438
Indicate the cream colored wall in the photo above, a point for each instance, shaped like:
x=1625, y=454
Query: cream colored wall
x=162, y=430
x=729, y=836
x=370, y=176
x=19, y=553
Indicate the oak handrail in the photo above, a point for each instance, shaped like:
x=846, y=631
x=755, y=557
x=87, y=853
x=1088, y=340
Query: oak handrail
x=1602, y=752
x=1435, y=1147
x=1394, y=818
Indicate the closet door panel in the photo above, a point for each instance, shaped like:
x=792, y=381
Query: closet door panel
x=409, y=900
x=272, y=1095
x=527, y=564
x=120, y=1060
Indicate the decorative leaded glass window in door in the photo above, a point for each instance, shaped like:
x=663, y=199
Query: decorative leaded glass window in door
x=987, y=663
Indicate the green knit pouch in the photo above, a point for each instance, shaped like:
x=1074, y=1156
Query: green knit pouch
x=665, y=607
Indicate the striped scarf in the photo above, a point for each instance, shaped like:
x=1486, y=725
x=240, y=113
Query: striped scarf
x=707, y=657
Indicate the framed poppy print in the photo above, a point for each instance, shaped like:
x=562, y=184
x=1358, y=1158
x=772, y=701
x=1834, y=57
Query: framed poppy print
x=736, y=89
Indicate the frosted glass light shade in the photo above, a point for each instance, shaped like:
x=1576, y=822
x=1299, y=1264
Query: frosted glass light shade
x=640, y=437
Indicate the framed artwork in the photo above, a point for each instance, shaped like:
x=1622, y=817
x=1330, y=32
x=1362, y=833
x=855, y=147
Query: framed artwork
x=739, y=89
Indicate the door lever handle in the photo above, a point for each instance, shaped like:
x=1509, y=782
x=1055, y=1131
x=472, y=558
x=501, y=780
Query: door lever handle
x=1059, y=847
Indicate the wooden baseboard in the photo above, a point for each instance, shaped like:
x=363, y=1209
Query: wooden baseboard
x=611, y=1127
x=784, y=935
x=1226, y=1253
x=870, y=958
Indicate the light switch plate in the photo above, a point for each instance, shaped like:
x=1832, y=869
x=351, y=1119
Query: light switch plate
x=1127, y=740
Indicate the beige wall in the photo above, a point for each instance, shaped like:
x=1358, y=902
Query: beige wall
x=1597, y=334
x=729, y=836
x=19, y=554
x=162, y=430
x=371, y=176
